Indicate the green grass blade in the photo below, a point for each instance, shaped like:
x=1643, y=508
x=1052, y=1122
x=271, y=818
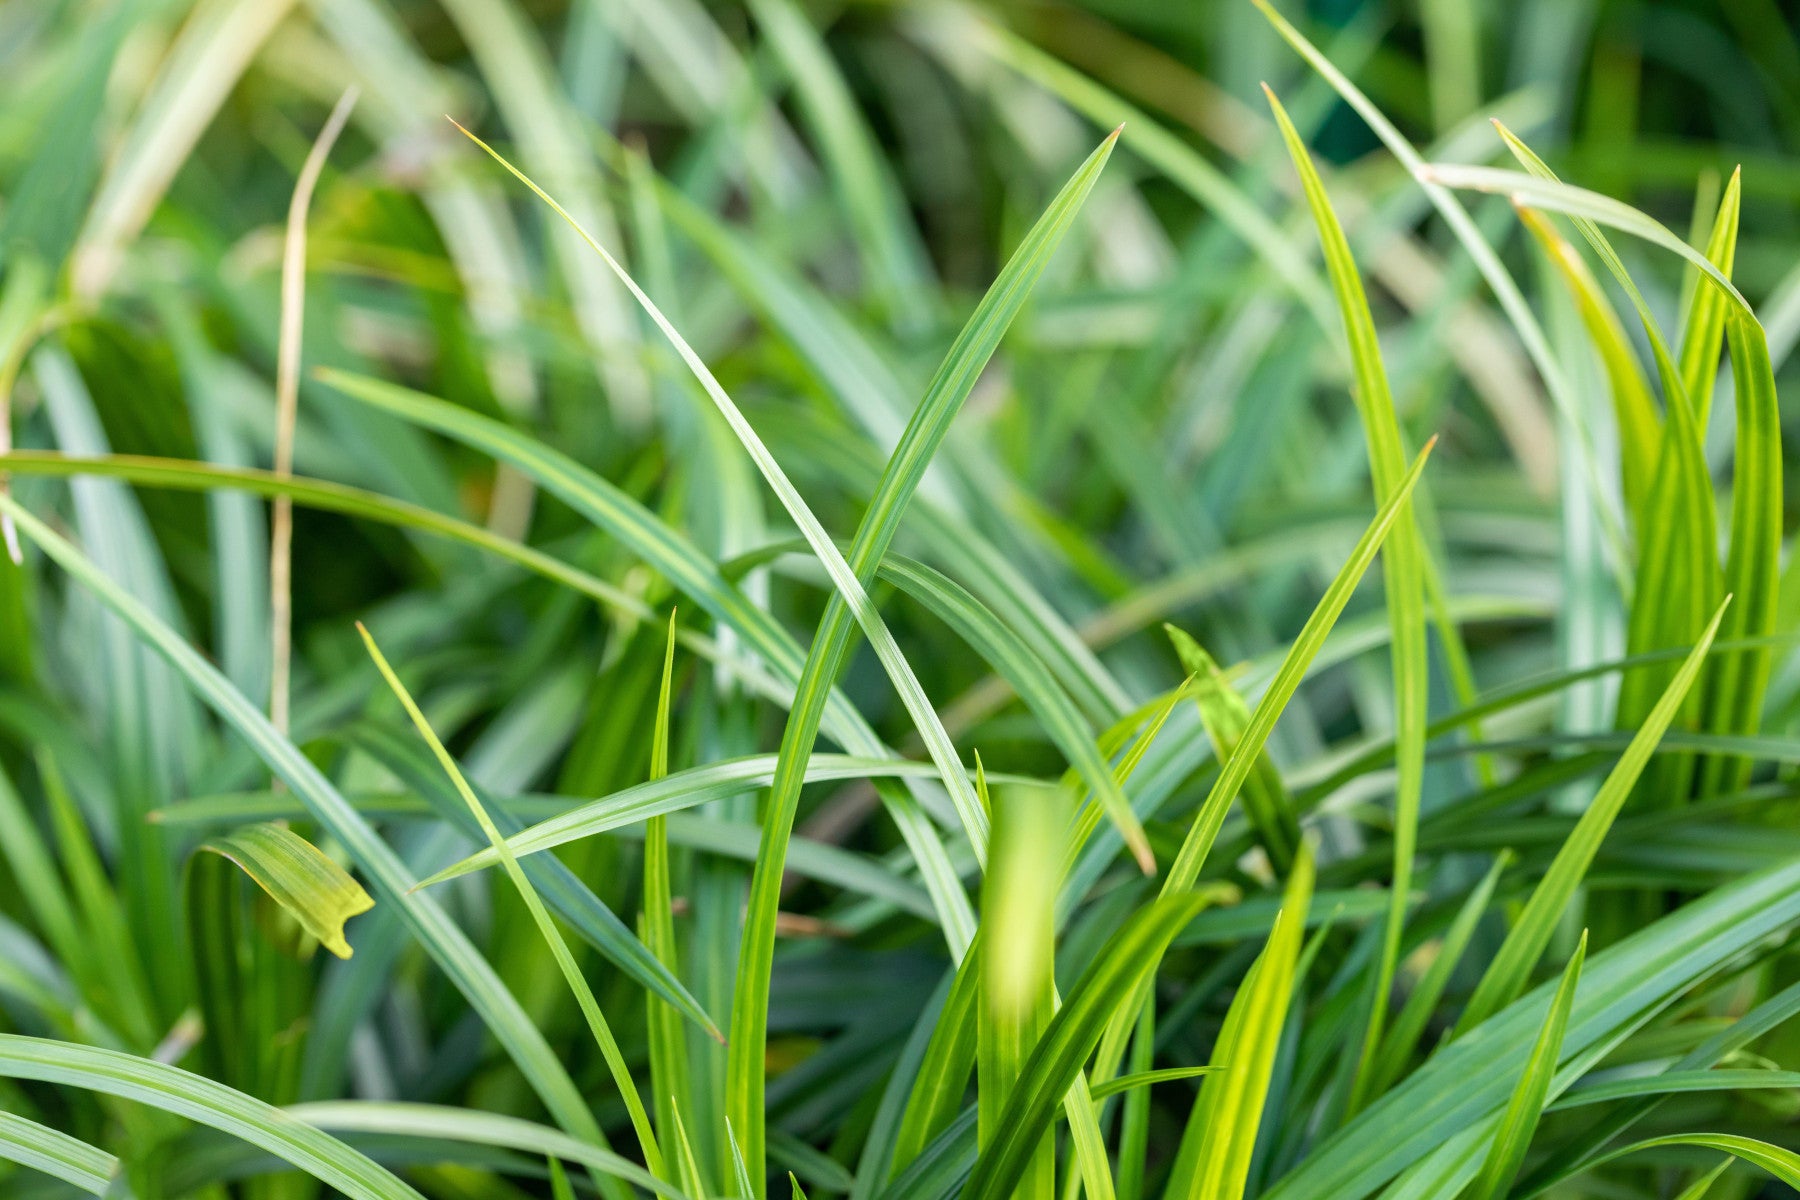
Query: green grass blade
x=1506, y=976
x=56, y=1154
x=1778, y=1161
x=847, y=579
x=668, y=1041
x=559, y=1181
x=320, y=894
x=1404, y=1034
x=197, y=1098
x=1676, y=1082
x=1114, y=978
x=1520, y=1119
x=674, y=793
x=403, y=1119
x=1213, y=1161
x=1015, y=971
x=553, y=938
x=1138, y=1079
x=1703, y=330
x=1184, y=873
x=1737, y=683
x=1698, y=1189
x=1225, y=715
x=944, y=397
x=1134, y=1117
x=1403, y=572
x=943, y=1078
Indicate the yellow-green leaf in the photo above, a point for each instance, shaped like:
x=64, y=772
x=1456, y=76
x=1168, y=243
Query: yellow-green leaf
x=300, y=877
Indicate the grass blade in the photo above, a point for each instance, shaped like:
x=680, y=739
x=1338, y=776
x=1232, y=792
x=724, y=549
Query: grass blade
x=287, y=404
x=403, y=1119
x=559, y=948
x=1403, y=1036
x=1520, y=1120
x=1017, y=950
x=320, y=894
x=1703, y=331
x=1114, y=977
x=1404, y=574
x=930, y=422
x=1225, y=715
x=1778, y=1161
x=1214, y=1159
x=1184, y=873
x=56, y=1154
x=1640, y=428
x=173, y=1090
x=1138, y=1079
x=1506, y=976
x=668, y=1040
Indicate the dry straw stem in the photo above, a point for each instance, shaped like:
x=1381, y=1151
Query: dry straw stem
x=287, y=404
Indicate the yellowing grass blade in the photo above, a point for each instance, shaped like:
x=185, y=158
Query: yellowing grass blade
x=319, y=893
x=1640, y=428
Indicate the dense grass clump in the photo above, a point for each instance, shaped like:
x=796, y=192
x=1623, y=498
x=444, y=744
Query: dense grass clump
x=897, y=601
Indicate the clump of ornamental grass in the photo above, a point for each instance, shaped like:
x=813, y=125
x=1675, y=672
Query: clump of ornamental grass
x=1281, y=702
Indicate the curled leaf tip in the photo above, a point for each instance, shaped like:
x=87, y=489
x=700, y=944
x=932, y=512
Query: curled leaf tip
x=312, y=887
